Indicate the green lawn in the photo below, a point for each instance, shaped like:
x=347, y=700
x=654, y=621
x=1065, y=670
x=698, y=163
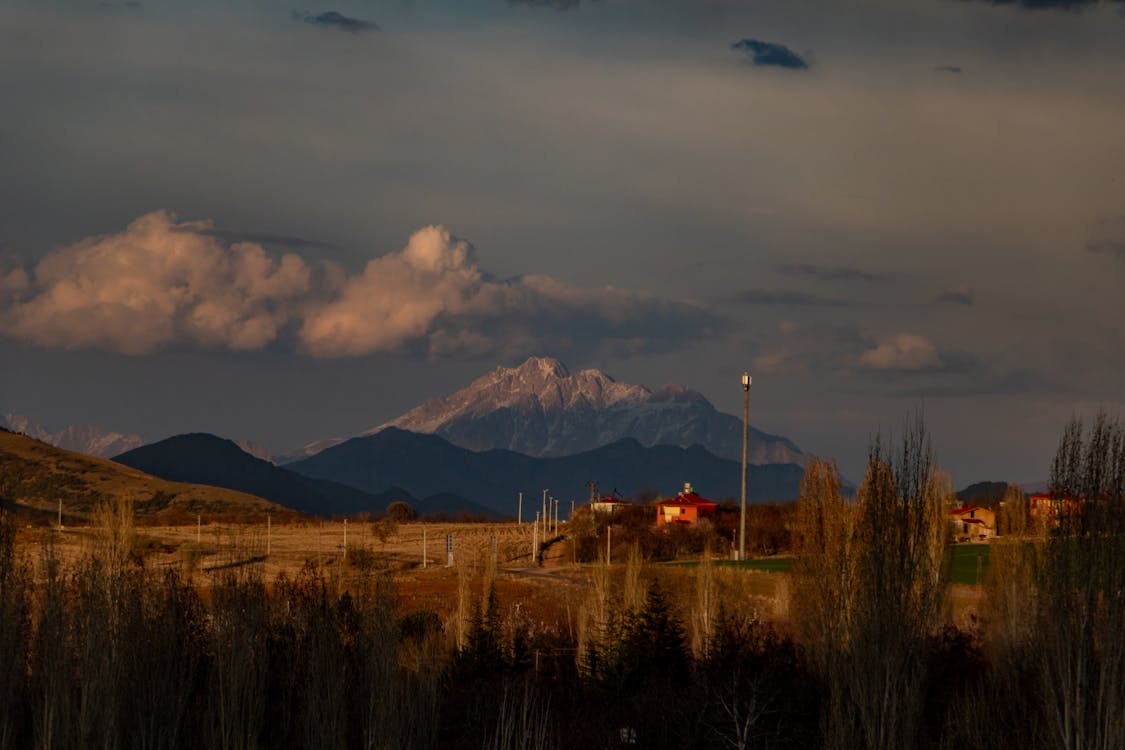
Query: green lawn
x=767, y=564
x=963, y=567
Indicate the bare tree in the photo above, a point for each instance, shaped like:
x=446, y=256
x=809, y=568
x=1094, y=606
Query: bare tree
x=869, y=591
x=1082, y=590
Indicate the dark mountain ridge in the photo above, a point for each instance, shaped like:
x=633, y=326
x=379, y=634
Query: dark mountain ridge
x=428, y=465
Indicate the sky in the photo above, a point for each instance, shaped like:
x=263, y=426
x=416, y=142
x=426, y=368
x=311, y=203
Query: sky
x=283, y=224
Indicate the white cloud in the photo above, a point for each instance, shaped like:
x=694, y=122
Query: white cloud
x=155, y=283
x=903, y=351
x=161, y=282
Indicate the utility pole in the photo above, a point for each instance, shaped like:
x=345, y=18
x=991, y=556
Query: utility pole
x=544, y=516
x=556, y=515
x=423, y=548
x=269, y=530
x=519, y=514
x=746, y=380
x=608, y=544
x=345, y=539
x=60, y=513
x=535, y=540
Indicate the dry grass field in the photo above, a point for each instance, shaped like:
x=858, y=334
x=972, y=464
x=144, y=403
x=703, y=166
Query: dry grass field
x=547, y=596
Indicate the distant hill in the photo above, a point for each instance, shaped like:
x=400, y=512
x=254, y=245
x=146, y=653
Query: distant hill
x=542, y=409
x=427, y=465
x=35, y=476
x=207, y=459
x=983, y=493
x=210, y=460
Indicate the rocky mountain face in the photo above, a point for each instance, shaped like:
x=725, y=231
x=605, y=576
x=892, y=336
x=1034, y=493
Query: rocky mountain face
x=86, y=439
x=542, y=409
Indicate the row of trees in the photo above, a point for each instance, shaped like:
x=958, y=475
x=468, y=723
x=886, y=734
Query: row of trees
x=1045, y=666
x=768, y=532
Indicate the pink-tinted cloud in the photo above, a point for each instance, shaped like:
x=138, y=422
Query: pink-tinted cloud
x=162, y=281
x=153, y=284
x=903, y=351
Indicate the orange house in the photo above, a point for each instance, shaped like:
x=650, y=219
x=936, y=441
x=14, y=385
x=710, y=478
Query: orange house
x=973, y=522
x=685, y=508
x=1051, y=509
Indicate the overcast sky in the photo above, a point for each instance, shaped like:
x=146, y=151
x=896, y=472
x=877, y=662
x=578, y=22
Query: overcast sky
x=283, y=224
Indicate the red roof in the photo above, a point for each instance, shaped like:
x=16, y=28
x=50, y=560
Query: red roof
x=966, y=509
x=688, y=500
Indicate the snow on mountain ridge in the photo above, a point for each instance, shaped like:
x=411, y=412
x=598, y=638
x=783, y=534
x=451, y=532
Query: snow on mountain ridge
x=87, y=439
x=540, y=384
x=540, y=408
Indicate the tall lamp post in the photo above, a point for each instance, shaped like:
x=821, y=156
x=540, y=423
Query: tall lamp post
x=746, y=380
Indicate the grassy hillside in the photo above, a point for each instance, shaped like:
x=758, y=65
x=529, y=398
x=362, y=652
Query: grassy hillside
x=34, y=476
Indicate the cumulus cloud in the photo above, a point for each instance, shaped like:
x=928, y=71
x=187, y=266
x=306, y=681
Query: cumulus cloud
x=903, y=351
x=151, y=285
x=332, y=19
x=161, y=282
x=770, y=54
x=434, y=296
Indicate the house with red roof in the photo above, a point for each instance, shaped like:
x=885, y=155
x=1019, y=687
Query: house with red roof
x=972, y=522
x=686, y=508
x=1050, y=509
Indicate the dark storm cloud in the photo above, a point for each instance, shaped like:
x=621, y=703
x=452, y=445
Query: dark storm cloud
x=260, y=238
x=1014, y=383
x=1109, y=238
x=770, y=54
x=335, y=20
x=961, y=296
x=948, y=69
x=1107, y=247
x=831, y=273
x=788, y=298
x=555, y=4
x=1071, y=5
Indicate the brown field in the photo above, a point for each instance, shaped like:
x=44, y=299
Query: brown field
x=549, y=595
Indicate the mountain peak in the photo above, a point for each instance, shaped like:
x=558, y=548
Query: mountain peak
x=540, y=408
x=78, y=438
x=543, y=366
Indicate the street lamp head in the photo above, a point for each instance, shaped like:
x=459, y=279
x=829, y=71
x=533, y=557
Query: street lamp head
x=746, y=380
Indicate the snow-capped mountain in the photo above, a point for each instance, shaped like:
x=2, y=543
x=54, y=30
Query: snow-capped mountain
x=80, y=438
x=541, y=409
